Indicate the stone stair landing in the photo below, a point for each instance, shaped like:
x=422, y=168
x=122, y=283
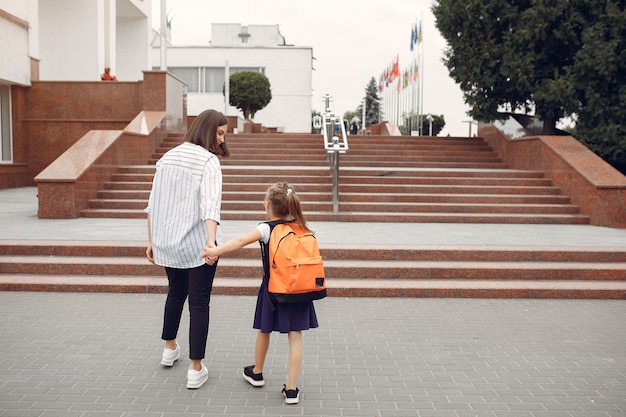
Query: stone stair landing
x=382, y=179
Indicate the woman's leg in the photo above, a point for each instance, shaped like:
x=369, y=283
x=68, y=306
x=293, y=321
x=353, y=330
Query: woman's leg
x=295, y=358
x=200, y=286
x=260, y=351
x=174, y=303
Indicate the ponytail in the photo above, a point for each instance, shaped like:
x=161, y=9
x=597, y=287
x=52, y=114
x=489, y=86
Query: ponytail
x=284, y=202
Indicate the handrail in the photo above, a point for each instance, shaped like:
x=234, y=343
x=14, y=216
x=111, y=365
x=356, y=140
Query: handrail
x=331, y=124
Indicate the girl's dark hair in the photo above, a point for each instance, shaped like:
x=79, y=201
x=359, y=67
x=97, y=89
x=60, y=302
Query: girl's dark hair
x=203, y=132
x=284, y=202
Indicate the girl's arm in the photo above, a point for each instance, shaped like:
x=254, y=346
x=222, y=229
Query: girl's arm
x=232, y=244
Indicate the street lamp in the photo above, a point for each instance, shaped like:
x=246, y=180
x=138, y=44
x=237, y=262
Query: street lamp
x=470, y=126
x=430, y=124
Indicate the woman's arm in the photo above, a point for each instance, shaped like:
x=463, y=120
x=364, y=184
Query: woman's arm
x=149, y=253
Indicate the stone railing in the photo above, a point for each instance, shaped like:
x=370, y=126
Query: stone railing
x=591, y=183
x=65, y=187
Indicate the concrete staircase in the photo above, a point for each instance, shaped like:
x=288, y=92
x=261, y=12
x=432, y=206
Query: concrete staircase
x=382, y=179
x=486, y=272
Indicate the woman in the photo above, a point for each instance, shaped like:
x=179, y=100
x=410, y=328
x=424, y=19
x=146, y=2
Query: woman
x=183, y=218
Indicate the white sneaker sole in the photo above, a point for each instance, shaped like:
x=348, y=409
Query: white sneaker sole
x=253, y=382
x=292, y=400
x=197, y=384
x=170, y=362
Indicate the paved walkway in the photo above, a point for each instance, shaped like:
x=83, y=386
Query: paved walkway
x=97, y=355
x=85, y=354
x=18, y=220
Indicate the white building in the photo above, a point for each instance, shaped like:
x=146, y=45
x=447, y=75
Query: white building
x=258, y=48
x=60, y=40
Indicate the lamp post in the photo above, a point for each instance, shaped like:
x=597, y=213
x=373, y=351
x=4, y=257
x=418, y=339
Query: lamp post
x=470, y=126
x=430, y=124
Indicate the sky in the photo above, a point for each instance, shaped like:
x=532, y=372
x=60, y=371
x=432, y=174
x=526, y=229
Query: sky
x=352, y=41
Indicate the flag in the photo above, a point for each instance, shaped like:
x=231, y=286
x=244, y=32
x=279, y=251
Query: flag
x=396, y=68
x=413, y=36
x=419, y=34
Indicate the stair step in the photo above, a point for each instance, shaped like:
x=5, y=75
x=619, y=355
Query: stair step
x=352, y=271
x=373, y=205
x=370, y=206
x=337, y=269
x=417, y=179
x=443, y=253
x=447, y=189
x=382, y=217
x=337, y=288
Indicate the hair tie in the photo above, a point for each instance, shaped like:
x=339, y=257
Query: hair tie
x=289, y=190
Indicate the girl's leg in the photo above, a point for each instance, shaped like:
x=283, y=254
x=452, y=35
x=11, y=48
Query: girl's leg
x=174, y=303
x=260, y=351
x=200, y=286
x=295, y=358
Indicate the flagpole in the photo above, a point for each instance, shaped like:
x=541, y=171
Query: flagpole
x=415, y=77
x=416, y=80
x=421, y=79
x=163, y=46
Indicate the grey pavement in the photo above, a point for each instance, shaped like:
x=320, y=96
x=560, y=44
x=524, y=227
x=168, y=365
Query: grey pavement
x=18, y=220
x=97, y=354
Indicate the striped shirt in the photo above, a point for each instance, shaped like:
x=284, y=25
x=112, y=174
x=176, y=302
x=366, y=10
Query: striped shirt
x=186, y=191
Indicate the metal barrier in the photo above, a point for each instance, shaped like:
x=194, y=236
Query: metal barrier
x=332, y=125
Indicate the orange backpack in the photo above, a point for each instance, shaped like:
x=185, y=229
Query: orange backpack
x=296, y=270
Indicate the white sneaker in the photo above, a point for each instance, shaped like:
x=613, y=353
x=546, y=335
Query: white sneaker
x=195, y=379
x=170, y=356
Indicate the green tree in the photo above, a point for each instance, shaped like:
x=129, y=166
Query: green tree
x=373, y=113
x=410, y=123
x=249, y=92
x=512, y=54
x=438, y=124
x=558, y=58
x=600, y=88
x=348, y=115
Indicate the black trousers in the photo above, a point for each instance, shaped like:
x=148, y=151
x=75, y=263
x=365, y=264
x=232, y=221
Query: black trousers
x=194, y=284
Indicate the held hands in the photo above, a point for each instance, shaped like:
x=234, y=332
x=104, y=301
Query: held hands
x=209, y=259
x=210, y=254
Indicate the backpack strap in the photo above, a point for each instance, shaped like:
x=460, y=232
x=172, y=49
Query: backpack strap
x=272, y=224
x=266, y=266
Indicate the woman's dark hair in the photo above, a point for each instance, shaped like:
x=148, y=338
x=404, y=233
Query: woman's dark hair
x=203, y=132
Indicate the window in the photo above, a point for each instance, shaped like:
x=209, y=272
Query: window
x=188, y=75
x=6, y=151
x=207, y=79
x=213, y=80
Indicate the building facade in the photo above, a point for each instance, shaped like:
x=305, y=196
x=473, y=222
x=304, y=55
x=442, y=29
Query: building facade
x=234, y=48
x=68, y=40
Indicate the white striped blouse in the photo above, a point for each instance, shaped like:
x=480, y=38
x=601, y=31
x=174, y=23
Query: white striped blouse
x=186, y=191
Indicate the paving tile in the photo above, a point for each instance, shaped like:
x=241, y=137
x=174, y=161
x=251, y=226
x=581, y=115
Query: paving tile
x=370, y=357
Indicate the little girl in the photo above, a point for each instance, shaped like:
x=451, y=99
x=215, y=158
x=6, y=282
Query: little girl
x=281, y=203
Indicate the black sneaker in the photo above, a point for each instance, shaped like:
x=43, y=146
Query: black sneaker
x=292, y=396
x=254, y=379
